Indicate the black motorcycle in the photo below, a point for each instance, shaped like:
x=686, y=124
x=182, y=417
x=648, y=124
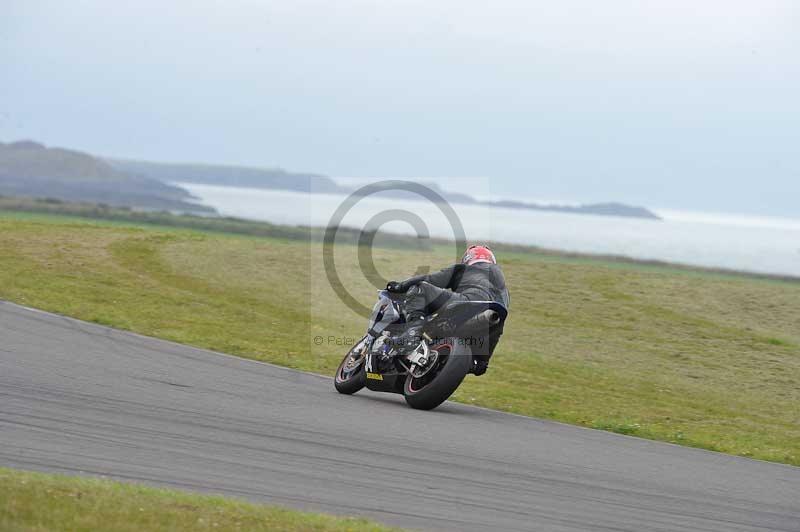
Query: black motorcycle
x=426, y=374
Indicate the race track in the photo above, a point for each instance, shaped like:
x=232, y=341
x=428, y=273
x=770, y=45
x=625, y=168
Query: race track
x=81, y=398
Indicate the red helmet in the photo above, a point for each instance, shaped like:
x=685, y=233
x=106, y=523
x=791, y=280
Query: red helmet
x=476, y=254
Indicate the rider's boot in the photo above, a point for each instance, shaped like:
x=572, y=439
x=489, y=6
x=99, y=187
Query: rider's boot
x=479, y=367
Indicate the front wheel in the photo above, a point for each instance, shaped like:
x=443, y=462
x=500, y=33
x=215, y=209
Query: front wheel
x=431, y=386
x=352, y=375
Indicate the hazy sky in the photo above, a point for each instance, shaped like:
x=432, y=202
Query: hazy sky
x=673, y=103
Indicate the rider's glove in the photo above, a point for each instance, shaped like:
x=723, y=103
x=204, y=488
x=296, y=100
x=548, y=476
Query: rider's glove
x=395, y=286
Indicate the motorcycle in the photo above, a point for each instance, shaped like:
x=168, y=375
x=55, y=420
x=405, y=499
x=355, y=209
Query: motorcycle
x=426, y=374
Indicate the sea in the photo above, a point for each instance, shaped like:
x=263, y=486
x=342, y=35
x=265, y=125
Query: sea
x=769, y=245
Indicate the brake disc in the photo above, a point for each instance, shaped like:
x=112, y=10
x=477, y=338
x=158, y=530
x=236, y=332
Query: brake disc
x=418, y=371
x=357, y=355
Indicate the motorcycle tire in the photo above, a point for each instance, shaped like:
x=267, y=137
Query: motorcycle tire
x=348, y=383
x=428, y=393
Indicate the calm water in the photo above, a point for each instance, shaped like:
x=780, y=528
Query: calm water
x=744, y=243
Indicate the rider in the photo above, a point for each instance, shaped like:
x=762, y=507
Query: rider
x=476, y=278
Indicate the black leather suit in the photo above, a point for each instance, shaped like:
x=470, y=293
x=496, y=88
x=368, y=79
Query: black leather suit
x=479, y=282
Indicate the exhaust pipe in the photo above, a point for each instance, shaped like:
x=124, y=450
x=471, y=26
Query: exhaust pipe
x=484, y=320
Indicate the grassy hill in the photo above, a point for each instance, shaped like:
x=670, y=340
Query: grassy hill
x=696, y=358
x=31, y=160
x=34, y=170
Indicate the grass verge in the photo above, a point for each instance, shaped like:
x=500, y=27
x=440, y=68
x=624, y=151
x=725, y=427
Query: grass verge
x=698, y=358
x=83, y=504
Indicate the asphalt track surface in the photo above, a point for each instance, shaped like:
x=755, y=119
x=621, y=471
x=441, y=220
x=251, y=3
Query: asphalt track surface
x=81, y=398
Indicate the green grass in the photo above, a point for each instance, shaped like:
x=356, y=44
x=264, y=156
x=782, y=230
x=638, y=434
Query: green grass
x=704, y=359
x=83, y=504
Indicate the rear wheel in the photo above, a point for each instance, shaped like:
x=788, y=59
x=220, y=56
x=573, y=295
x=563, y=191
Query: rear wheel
x=426, y=388
x=351, y=375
